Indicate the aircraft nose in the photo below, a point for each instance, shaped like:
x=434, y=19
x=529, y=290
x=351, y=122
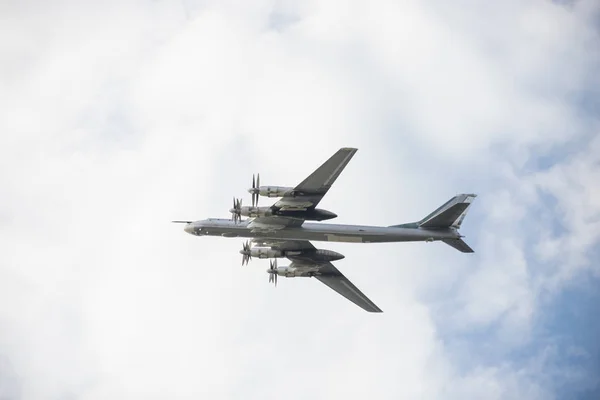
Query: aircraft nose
x=189, y=228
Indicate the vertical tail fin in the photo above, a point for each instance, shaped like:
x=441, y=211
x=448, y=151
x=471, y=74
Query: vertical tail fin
x=450, y=215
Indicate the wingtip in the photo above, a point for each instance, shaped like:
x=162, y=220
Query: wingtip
x=373, y=309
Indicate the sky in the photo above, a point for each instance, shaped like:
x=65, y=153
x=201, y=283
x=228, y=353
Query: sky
x=120, y=116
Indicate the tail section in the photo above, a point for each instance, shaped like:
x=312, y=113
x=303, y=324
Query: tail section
x=450, y=215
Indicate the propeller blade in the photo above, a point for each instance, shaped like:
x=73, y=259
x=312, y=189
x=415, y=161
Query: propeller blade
x=258, y=187
x=246, y=256
x=233, y=211
x=254, y=191
x=273, y=271
x=236, y=211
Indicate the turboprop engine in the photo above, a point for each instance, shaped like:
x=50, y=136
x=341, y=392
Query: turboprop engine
x=253, y=212
x=288, y=271
x=266, y=191
x=306, y=256
x=248, y=252
x=274, y=191
x=237, y=211
x=265, y=252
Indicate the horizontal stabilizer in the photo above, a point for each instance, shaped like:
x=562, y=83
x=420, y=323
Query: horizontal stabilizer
x=459, y=245
x=450, y=214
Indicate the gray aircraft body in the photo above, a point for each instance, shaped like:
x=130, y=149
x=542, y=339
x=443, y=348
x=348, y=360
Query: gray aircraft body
x=280, y=230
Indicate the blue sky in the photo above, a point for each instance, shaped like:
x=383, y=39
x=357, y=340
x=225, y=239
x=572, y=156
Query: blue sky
x=121, y=116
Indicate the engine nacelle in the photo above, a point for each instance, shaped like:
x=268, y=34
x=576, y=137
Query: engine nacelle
x=293, y=272
x=265, y=252
x=253, y=212
x=288, y=272
x=273, y=191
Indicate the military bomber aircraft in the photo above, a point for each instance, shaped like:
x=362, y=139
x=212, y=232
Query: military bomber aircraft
x=280, y=230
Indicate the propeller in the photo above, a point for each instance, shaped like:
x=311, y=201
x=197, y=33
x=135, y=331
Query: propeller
x=236, y=211
x=273, y=272
x=245, y=252
x=255, y=190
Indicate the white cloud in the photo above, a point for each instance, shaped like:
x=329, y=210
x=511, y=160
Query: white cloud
x=122, y=116
x=574, y=185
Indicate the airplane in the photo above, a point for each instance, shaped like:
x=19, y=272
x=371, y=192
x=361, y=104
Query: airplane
x=280, y=230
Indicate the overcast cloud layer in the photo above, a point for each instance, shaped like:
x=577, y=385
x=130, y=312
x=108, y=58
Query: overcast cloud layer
x=117, y=117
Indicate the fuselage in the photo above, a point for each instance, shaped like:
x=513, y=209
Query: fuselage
x=319, y=232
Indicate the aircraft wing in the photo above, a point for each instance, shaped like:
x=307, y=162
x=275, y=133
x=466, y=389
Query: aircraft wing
x=273, y=223
x=333, y=278
x=285, y=245
x=311, y=190
x=326, y=272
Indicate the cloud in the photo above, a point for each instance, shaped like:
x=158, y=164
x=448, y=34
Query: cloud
x=121, y=117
